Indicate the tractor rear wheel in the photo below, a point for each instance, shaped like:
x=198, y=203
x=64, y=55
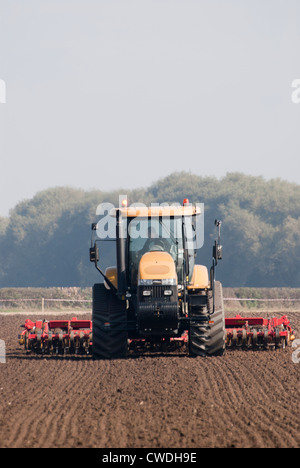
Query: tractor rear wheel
x=208, y=339
x=109, y=325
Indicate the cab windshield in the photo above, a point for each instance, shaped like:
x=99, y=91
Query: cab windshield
x=150, y=234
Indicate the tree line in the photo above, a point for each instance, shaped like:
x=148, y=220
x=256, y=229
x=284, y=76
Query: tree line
x=45, y=240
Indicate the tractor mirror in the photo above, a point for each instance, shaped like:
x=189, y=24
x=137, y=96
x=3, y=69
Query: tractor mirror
x=217, y=252
x=94, y=254
x=217, y=248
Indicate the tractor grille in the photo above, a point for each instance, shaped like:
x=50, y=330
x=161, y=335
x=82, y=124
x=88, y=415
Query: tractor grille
x=157, y=292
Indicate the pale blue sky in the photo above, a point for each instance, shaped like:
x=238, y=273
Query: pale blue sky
x=106, y=94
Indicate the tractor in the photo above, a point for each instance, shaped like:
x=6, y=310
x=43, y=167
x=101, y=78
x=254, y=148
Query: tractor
x=157, y=296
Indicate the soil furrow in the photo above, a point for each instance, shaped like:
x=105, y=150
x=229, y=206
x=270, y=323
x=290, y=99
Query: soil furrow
x=242, y=399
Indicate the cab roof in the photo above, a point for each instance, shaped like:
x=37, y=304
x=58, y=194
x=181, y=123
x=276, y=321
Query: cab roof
x=159, y=211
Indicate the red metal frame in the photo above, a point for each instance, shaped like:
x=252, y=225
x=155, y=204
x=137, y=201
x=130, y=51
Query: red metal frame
x=58, y=335
x=257, y=331
x=75, y=335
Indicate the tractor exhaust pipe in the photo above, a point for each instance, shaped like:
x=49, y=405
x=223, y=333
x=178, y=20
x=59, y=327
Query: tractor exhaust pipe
x=121, y=262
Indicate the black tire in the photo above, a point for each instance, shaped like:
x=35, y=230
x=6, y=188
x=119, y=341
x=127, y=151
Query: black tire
x=109, y=325
x=208, y=339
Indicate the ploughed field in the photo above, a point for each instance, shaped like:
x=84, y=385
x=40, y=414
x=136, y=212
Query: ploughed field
x=242, y=399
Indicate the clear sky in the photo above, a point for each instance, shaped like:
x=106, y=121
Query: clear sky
x=107, y=94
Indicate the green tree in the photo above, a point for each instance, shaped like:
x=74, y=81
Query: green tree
x=45, y=240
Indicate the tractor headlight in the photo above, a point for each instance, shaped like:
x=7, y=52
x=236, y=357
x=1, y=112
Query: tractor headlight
x=168, y=292
x=147, y=292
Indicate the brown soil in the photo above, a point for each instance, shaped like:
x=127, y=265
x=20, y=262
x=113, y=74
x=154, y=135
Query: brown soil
x=242, y=399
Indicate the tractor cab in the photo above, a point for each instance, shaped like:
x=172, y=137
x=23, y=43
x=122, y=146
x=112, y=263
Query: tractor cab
x=159, y=242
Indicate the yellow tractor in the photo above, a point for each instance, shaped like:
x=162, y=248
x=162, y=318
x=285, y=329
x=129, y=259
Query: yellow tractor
x=156, y=296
